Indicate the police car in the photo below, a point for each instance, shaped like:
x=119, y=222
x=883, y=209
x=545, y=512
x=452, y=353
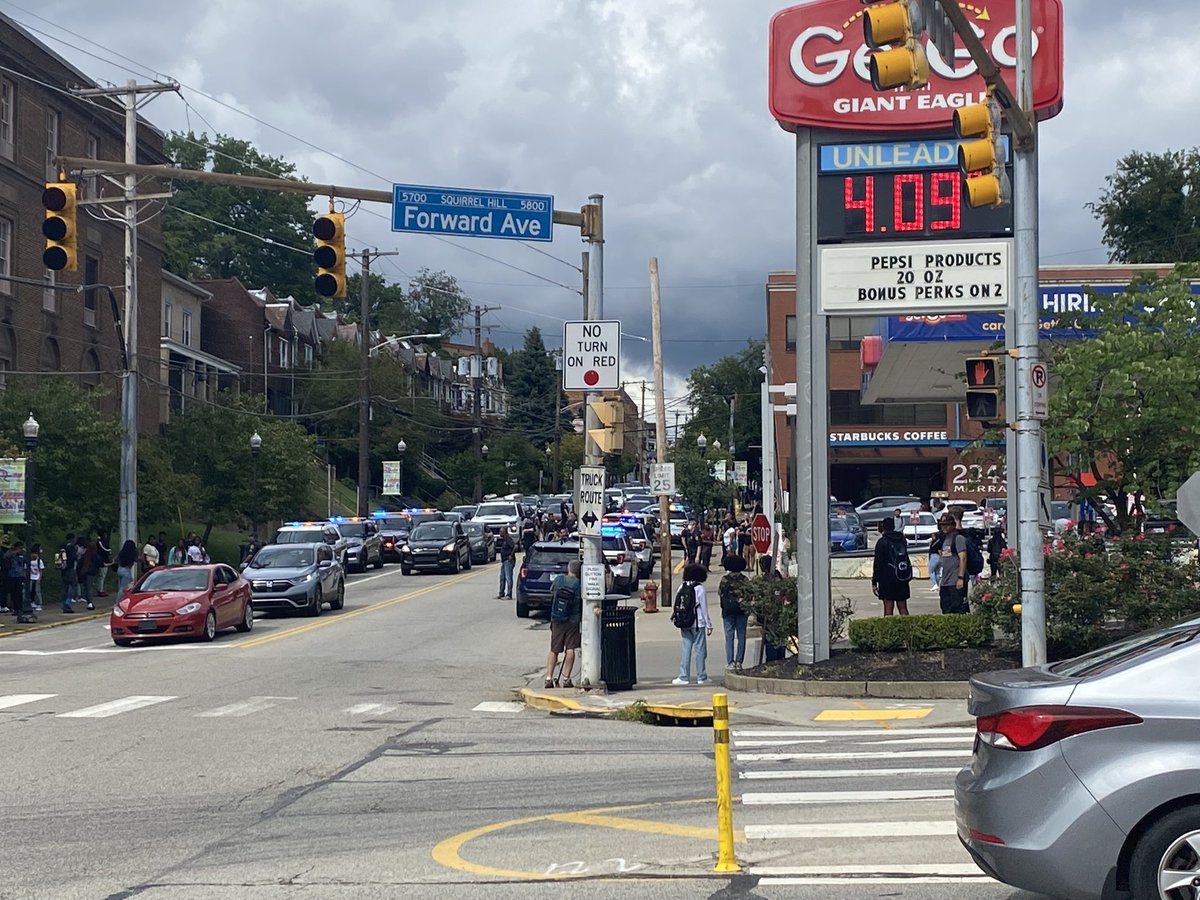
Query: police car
x=639, y=539
x=364, y=546
x=395, y=526
x=313, y=533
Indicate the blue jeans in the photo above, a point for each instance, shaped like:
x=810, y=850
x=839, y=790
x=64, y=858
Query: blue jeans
x=124, y=576
x=70, y=587
x=935, y=563
x=694, y=639
x=506, y=578
x=735, y=626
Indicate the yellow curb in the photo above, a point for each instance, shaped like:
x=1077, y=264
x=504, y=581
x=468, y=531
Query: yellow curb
x=27, y=629
x=552, y=702
x=680, y=712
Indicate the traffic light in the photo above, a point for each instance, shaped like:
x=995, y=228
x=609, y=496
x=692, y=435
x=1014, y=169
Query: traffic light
x=610, y=438
x=330, y=255
x=981, y=159
x=61, y=253
x=893, y=30
x=983, y=388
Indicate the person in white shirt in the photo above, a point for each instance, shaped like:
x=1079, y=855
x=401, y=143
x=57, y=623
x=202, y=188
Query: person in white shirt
x=36, y=566
x=149, y=554
x=195, y=553
x=695, y=638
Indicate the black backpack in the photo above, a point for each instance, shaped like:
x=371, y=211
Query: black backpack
x=730, y=604
x=899, y=561
x=684, y=613
x=974, y=556
x=562, y=604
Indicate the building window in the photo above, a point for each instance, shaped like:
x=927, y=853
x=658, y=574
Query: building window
x=847, y=332
x=51, y=360
x=187, y=329
x=8, y=356
x=49, y=294
x=91, y=275
x=91, y=186
x=790, y=336
x=167, y=308
x=8, y=107
x=53, y=142
x=6, y=233
x=847, y=408
x=308, y=355
x=90, y=377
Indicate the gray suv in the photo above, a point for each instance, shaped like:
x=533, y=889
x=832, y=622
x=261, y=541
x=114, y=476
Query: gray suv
x=877, y=509
x=294, y=577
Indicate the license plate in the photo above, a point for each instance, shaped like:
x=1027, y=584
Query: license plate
x=147, y=625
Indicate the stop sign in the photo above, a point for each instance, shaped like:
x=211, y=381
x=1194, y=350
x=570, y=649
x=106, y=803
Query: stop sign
x=760, y=533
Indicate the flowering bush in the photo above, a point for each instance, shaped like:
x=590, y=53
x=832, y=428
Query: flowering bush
x=1097, y=590
x=772, y=602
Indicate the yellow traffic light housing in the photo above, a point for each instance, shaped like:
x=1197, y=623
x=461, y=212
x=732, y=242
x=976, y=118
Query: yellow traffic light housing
x=894, y=31
x=983, y=388
x=610, y=437
x=330, y=255
x=981, y=158
x=59, y=227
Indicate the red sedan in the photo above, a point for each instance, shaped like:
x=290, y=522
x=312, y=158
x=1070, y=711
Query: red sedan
x=178, y=601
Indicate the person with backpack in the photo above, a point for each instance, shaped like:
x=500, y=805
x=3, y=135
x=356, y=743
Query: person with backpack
x=507, y=551
x=66, y=560
x=690, y=616
x=892, y=569
x=733, y=614
x=16, y=569
x=566, y=616
x=952, y=563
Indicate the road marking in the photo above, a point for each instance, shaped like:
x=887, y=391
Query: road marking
x=945, y=869
x=891, y=742
x=679, y=567
x=854, y=732
x=244, y=708
x=870, y=715
x=371, y=709
x=746, y=745
x=850, y=830
x=499, y=706
x=792, y=798
x=11, y=700
x=345, y=616
x=873, y=772
x=157, y=648
x=114, y=707
x=806, y=880
x=644, y=826
x=865, y=754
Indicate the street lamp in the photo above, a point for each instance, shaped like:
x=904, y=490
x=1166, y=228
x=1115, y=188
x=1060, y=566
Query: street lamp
x=702, y=444
x=401, y=448
x=484, y=451
x=255, y=451
x=30, y=429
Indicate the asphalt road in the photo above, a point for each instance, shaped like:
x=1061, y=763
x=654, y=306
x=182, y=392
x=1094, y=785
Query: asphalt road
x=376, y=752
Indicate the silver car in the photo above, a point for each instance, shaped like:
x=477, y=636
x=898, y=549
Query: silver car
x=1085, y=777
x=294, y=577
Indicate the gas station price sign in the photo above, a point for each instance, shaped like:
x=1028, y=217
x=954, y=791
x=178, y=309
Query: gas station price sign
x=899, y=190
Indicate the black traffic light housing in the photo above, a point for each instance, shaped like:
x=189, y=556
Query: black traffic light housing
x=983, y=388
x=59, y=227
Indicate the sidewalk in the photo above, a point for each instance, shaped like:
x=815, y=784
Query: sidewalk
x=658, y=652
x=52, y=615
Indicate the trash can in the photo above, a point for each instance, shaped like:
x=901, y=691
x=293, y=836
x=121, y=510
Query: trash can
x=618, y=652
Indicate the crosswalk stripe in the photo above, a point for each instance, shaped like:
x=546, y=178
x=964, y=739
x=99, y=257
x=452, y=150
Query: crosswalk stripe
x=963, y=740
x=852, y=732
x=851, y=830
x=11, y=700
x=813, y=880
x=243, y=708
x=865, y=754
x=865, y=869
x=370, y=709
x=114, y=707
x=790, y=798
x=785, y=774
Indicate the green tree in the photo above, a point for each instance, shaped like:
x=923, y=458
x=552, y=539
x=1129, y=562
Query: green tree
x=195, y=247
x=532, y=386
x=732, y=380
x=436, y=304
x=693, y=476
x=1126, y=402
x=389, y=311
x=1150, y=210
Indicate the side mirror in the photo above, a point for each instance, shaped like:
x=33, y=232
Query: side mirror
x=325, y=564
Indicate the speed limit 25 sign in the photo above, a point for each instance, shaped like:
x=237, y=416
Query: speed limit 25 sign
x=662, y=479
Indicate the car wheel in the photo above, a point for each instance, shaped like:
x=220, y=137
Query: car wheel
x=522, y=609
x=379, y=560
x=339, y=596
x=210, y=626
x=123, y=642
x=314, y=604
x=405, y=570
x=470, y=562
x=454, y=566
x=247, y=619
x=1166, y=853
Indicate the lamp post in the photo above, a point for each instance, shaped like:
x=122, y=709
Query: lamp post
x=30, y=430
x=255, y=451
x=400, y=449
x=702, y=444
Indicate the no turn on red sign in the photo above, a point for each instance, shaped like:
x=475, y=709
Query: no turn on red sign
x=591, y=356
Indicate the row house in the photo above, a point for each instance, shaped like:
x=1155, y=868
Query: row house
x=446, y=376
x=189, y=374
x=48, y=326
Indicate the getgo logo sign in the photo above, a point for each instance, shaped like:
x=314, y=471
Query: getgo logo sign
x=820, y=76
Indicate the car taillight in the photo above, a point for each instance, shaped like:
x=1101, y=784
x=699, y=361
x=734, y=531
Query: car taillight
x=524, y=572
x=388, y=544
x=1034, y=727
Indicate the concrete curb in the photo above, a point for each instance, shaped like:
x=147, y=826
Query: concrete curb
x=884, y=690
x=27, y=629
x=556, y=703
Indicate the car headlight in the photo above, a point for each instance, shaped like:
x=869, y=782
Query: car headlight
x=449, y=548
x=513, y=529
x=309, y=577
x=118, y=611
x=188, y=610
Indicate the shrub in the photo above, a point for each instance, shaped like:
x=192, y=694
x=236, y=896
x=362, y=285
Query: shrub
x=772, y=602
x=935, y=632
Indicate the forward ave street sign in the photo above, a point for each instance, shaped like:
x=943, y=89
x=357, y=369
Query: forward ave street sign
x=463, y=212
x=592, y=356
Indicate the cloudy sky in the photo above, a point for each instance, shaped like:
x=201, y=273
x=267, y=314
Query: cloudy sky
x=659, y=105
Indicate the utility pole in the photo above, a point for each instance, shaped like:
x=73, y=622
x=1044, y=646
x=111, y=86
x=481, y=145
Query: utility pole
x=476, y=390
x=593, y=233
x=732, y=449
x=642, y=436
x=558, y=398
x=660, y=432
x=364, y=381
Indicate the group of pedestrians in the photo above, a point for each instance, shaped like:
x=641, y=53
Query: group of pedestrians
x=731, y=534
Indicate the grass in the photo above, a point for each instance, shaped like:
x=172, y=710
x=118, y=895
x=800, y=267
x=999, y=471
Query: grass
x=634, y=712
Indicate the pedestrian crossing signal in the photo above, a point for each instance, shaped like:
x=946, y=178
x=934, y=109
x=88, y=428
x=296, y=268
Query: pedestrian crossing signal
x=983, y=388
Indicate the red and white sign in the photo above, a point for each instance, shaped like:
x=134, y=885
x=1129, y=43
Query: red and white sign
x=820, y=75
x=760, y=533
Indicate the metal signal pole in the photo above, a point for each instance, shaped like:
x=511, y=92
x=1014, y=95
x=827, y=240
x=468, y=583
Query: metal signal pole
x=593, y=232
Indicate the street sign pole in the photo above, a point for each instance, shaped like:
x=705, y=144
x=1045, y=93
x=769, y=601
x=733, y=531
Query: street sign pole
x=593, y=232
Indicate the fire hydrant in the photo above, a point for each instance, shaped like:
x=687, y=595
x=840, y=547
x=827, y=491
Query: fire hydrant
x=650, y=597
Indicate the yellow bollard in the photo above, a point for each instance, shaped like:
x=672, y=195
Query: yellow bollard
x=726, y=862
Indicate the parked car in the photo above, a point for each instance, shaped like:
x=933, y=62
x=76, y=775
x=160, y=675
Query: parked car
x=395, y=527
x=544, y=560
x=1082, y=781
x=182, y=601
x=482, y=541
x=296, y=578
x=364, y=546
x=678, y=519
x=499, y=516
x=436, y=546
x=312, y=532
x=843, y=538
x=467, y=511
x=878, y=508
x=620, y=556
x=920, y=534
x=639, y=539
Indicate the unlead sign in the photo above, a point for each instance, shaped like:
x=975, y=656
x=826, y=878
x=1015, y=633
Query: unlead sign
x=591, y=356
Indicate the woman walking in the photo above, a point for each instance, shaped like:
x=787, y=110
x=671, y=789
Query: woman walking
x=690, y=616
x=127, y=558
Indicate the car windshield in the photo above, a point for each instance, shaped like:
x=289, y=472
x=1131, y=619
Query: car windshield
x=544, y=557
x=278, y=557
x=925, y=520
x=433, y=531
x=1105, y=658
x=473, y=528
x=175, y=580
x=300, y=536
x=395, y=523
x=497, y=509
x=353, y=529
x=839, y=523
x=418, y=518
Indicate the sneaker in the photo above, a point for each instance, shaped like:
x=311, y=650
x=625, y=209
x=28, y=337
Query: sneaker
x=549, y=684
x=567, y=683
x=679, y=682
x=731, y=667
x=67, y=609
x=91, y=606
x=700, y=681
